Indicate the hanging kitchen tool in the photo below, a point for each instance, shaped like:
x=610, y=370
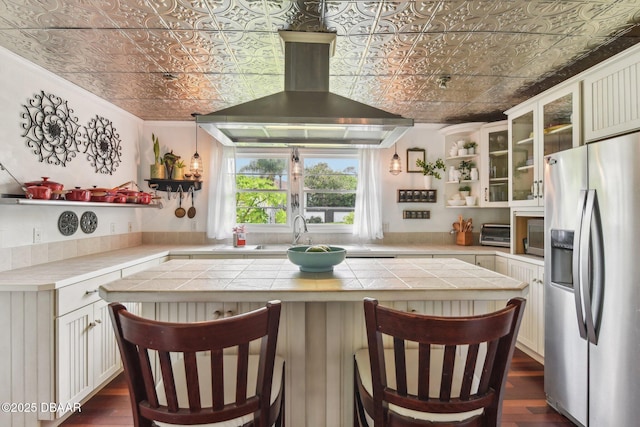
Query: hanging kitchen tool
x=180, y=212
x=192, y=210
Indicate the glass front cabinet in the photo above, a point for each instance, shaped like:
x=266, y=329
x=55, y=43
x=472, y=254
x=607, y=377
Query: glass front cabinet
x=494, y=170
x=536, y=129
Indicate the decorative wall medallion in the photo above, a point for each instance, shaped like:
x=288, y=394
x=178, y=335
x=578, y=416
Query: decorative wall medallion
x=88, y=222
x=50, y=129
x=103, y=145
x=68, y=223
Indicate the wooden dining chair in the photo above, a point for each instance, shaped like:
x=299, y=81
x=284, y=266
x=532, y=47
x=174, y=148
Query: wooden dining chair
x=437, y=371
x=203, y=372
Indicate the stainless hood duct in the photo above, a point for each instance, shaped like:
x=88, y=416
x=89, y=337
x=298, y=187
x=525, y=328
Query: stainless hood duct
x=306, y=113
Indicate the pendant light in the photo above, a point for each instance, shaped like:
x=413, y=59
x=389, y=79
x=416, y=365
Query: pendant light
x=396, y=166
x=296, y=169
x=196, y=161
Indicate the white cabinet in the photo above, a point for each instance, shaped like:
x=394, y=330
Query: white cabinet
x=531, y=333
x=463, y=163
x=540, y=127
x=494, y=165
x=611, y=93
x=86, y=350
x=486, y=261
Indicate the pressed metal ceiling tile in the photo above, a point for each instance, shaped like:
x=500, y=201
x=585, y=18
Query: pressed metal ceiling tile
x=388, y=54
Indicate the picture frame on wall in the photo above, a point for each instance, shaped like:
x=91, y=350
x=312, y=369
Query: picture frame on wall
x=414, y=154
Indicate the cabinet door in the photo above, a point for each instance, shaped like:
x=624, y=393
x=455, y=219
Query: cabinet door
x=106, y=360
x=486, y=261
x=528, y=273
x=611, y=97
x=75, y=355
x=523, y=157
x=494, y=165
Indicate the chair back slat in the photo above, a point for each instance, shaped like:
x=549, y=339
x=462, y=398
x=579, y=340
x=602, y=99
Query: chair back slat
x=447, y=372
x=424, y=370
x=217, y=379
x=182, y=349
x=192, y=380
x=242, y=373
x=144, y=368
x=401, y=367
x=472, y=355
x=164, y=358
x=469, y=370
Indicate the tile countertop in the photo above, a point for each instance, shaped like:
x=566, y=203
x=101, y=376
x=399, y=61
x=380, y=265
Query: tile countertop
x=262, y=279
x=58, y=274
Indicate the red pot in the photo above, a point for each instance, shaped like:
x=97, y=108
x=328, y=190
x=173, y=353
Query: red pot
x=144, y=198
x=120, y=198
x=132, y=196
x=54, y=186
x=39, y=192
x=78, y=195
x=102, y=194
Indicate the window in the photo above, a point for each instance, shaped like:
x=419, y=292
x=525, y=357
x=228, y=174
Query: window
x=324, y=194
x=329, y=188
x=262, y=188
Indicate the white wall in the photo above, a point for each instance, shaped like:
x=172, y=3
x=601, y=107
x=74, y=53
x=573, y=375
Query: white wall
x=21, y=80
x=179, y=137
x=425, y=136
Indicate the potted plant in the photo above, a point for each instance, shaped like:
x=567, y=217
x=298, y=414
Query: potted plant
x=470, y=146
x=430, y=170
x=465, y=169
x=178, y=170
x=465, y=190
x=157, y=169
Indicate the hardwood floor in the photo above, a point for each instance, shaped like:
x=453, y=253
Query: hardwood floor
x=524, y=403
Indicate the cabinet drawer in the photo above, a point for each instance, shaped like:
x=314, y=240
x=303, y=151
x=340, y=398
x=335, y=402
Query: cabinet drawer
x=82, y=293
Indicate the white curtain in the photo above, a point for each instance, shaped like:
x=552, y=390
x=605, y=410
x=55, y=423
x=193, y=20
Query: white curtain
x=222, y=193
x=367, y=223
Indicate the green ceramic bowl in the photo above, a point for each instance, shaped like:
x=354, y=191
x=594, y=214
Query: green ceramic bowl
x=316, y=262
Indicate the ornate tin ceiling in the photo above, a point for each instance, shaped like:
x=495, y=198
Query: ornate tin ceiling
x=164, y=59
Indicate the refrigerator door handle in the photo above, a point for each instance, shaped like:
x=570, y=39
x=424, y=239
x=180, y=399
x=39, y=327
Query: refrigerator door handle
x=590, y=243
x=577, y=262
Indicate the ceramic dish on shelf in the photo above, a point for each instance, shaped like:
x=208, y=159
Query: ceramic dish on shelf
x=454, y=202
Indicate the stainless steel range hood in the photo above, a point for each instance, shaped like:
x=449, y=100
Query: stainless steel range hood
x=306, y=113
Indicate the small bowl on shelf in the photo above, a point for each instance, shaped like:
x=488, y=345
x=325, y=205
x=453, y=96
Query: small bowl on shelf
x=456, y=202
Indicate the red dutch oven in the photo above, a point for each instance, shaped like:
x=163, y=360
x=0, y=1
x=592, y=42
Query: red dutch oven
x=39, y=192
x=54, y=186
x=78, y=195
x=120, y=198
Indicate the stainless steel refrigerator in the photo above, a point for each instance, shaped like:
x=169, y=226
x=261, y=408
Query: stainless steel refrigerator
x=592, y=282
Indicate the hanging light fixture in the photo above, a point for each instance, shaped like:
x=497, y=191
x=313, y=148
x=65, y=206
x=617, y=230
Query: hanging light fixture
x=296, y=168
x=396, y=166
x=196, y=161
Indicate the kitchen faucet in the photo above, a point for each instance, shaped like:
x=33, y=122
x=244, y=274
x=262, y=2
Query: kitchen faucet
x=298, y=233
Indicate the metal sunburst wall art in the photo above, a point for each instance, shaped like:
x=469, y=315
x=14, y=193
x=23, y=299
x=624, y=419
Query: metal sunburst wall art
x=102, y=145
x=51, y=129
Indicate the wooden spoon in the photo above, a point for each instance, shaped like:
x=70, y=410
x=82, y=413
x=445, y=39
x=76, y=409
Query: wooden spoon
x=192, y=210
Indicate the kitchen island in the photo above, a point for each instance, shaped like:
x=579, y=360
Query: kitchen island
x=322, y=322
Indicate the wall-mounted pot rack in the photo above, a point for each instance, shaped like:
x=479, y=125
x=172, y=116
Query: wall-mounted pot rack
x=174, y=185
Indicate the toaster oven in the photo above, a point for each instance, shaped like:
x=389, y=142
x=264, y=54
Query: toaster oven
x=495, y=235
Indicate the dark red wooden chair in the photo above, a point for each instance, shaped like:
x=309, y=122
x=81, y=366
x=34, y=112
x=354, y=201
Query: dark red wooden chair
x=202, y=372
x=437, y=371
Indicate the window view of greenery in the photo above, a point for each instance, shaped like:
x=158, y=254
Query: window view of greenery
x=330, y=189
x=262, y=187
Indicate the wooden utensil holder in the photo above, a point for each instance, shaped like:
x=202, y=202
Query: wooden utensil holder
x=464, y=238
